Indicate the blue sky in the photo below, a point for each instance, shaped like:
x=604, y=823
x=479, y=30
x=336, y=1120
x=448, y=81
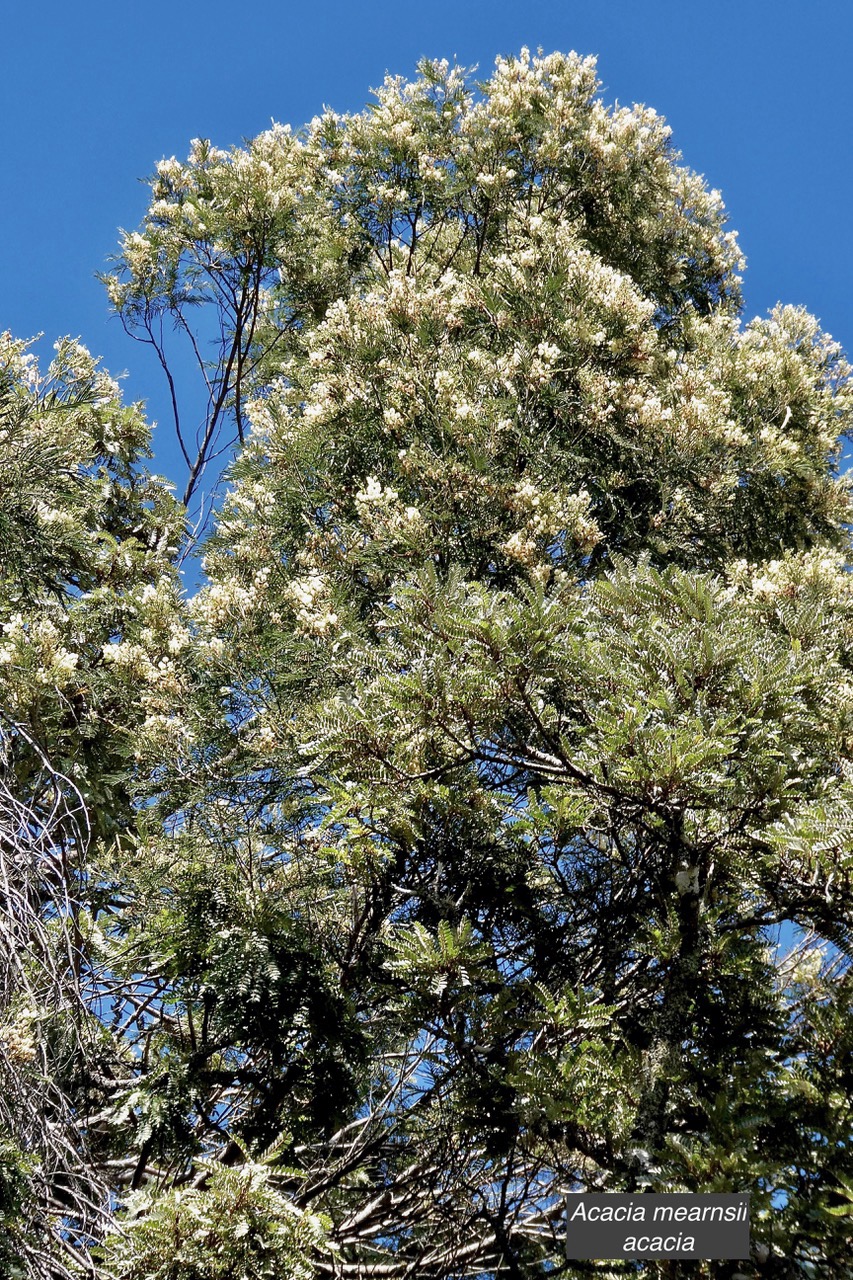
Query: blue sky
x=759, y=94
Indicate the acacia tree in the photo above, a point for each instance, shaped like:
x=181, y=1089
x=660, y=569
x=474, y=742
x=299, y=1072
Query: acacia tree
x=85, y=535
x=511, y=724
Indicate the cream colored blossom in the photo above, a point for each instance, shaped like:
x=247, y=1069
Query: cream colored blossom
x=311, y=599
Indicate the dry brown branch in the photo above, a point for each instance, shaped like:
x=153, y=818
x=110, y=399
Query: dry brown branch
x=47, y=1032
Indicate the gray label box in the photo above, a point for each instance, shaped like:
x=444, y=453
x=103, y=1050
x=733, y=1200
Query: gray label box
x=672, y=1224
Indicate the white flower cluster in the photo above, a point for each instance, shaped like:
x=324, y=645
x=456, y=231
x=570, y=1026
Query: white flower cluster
x=158, y=677
x=310, y=597
x=17, y=1039
x=17, y=362
x=545, y=515
x=519, y=82
x=36, y=647
x=804, y=965
x=224, y=601
x=522, y=548
x=162, y=734
x=545, y=357
x=53, y=517
x=821, y=572
x=381, y=511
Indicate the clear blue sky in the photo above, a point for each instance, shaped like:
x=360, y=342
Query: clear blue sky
x=759, y=94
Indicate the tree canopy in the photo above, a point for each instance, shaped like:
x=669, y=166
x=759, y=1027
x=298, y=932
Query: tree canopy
x=480, y=831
